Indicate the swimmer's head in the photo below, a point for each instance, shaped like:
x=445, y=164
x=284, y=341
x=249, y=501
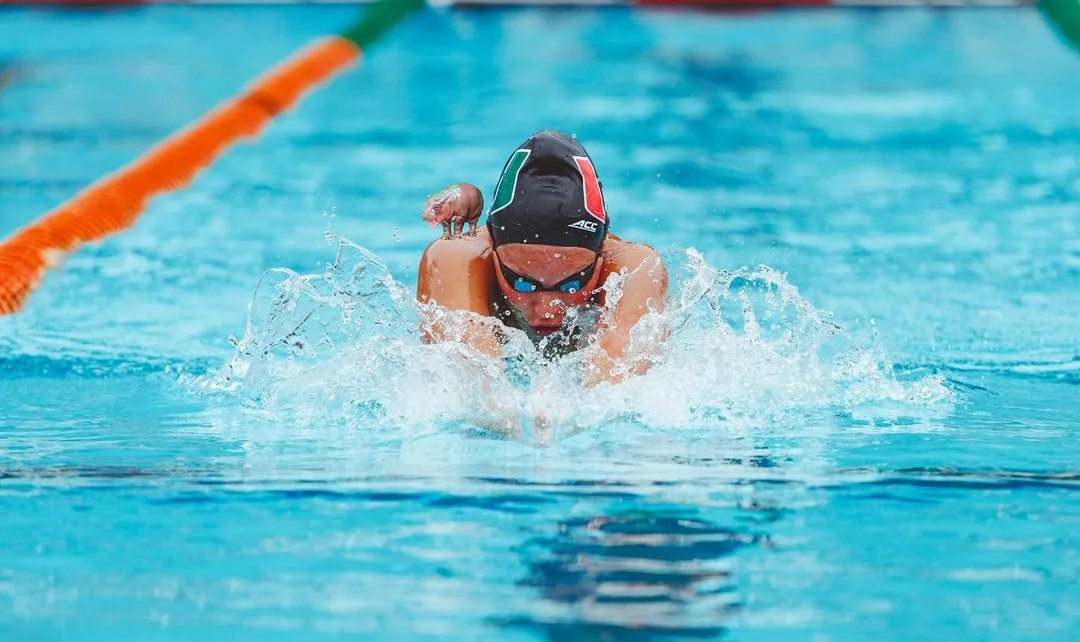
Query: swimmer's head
x=548, y=224
x=549, y=194
x=542, y=282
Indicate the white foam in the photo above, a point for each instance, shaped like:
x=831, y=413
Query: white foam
x=742, y=348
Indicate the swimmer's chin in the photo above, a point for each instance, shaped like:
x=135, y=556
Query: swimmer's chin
x=544, y=330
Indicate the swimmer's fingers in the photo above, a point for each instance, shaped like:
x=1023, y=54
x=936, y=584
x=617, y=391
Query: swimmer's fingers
x=543, y=433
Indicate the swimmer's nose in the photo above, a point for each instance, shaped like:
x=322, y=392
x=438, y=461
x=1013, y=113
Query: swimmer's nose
x=547, y=306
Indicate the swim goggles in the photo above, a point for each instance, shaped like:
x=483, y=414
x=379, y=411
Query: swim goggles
x=569, y=285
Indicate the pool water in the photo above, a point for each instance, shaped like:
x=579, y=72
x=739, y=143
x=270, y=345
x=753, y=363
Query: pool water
x=863, y=426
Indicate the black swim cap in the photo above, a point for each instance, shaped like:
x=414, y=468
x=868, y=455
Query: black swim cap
x=549, y=194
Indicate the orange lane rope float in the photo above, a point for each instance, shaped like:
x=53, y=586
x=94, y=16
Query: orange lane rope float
x=114, y=202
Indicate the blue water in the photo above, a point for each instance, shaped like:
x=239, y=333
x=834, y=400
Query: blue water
x=872, y=438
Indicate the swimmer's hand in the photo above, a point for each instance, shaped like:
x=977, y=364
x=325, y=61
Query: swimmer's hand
x=543, y=430
x=454, y=207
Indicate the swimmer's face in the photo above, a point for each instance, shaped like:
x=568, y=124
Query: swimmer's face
x=526, y=271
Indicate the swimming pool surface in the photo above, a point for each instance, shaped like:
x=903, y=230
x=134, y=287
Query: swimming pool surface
x=872, y=438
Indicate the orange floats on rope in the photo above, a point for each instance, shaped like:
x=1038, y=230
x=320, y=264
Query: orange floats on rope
x=114, y=202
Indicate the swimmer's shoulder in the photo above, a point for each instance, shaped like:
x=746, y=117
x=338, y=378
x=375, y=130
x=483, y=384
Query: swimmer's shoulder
x=621, y=255
x=458, y=273
x=463, y=251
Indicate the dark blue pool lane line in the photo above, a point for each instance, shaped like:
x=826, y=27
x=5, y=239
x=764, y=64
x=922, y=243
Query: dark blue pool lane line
x=22, y=366
x=15, y=366
x=526, y=492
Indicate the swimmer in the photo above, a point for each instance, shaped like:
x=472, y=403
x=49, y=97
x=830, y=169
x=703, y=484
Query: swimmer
x=544, y=251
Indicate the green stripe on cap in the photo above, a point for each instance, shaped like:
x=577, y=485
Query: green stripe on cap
x=504, y=191
x=378, y=18
x=1065, y=15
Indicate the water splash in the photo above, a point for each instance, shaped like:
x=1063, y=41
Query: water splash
x=731, y=348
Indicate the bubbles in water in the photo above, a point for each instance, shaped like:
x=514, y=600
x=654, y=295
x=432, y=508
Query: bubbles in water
x=347, y=346
x=328, y=233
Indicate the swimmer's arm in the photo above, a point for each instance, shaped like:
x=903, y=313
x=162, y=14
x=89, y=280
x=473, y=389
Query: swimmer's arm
x=644, y=288
x=459, y=274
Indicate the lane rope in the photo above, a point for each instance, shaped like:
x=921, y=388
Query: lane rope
x=114, y=202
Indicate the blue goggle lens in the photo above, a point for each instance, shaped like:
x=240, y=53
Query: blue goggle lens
x=521, y=285
x=526, y=285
